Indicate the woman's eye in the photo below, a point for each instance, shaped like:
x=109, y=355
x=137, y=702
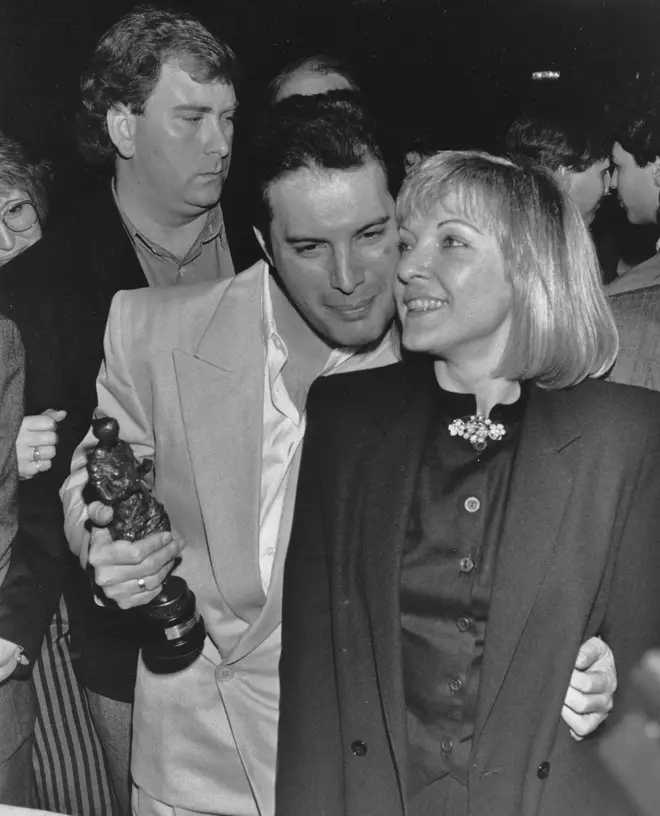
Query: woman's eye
x=373, y=235
x=453, y=242
x=404, y=247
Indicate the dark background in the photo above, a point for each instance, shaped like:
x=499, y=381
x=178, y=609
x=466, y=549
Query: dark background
x=461, y=66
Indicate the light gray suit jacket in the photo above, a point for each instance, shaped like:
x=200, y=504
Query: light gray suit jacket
x=184, y=375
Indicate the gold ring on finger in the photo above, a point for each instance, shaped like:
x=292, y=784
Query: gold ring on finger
x=36, y=455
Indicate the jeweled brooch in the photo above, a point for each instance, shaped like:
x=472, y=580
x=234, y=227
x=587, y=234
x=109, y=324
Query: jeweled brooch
x=477, y=429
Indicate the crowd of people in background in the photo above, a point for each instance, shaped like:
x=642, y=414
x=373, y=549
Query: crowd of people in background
x=454, y=655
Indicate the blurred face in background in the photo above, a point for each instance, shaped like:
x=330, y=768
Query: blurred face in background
x=19, y=224
x=637, y=187
x=309, y=83
x=588, y=188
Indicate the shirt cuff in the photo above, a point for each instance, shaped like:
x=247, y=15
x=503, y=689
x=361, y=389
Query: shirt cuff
x=10, y=656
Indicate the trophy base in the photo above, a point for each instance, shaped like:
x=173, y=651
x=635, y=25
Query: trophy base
x=176, y=655
x=174, y=630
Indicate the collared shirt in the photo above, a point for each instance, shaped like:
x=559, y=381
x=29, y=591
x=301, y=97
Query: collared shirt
x=284, y=427
x=639, y=277
x=208, y=259
x=447, y=575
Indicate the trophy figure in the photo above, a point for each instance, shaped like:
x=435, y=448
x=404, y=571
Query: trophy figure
x=173, y=630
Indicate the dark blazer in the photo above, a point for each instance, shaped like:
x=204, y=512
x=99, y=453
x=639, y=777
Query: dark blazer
x=579, y=555
x=637, y=316
x=17, y=697
x=58, y=293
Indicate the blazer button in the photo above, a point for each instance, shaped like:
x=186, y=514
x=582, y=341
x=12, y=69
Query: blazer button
x=543, y=771
x=359, y=748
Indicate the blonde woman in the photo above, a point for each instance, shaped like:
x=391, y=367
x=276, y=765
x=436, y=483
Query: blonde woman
x=466, y=519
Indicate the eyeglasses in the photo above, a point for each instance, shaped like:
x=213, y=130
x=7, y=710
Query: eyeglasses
x=19, y=216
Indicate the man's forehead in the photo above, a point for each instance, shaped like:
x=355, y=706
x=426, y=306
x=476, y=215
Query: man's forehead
x=317, y=189
x=177, y=86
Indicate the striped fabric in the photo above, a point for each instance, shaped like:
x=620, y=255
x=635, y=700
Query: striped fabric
x=69, y=766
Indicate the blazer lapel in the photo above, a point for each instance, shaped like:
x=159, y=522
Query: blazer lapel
x=540, y=487
x=390, y=479
x=221, y=396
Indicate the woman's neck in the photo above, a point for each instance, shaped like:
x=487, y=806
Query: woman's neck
x=488, y=390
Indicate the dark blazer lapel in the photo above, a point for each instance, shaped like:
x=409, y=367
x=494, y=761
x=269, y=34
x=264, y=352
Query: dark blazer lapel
x=540, y=487
x=390, y=479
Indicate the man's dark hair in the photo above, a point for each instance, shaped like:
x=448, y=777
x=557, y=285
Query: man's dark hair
x=19, y=172
x=555, y=140
x=322, y=64
x=331, y=131
x=126, y=67
x=633, y=118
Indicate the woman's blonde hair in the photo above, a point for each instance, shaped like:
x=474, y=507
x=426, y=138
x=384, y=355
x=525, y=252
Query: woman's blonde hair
x=562, y=327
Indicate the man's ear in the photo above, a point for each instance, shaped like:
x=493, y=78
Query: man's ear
x=656, y=171
x=263, y=245
x=121, y=128
x=563, y=177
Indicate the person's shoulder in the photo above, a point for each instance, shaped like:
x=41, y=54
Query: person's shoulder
x=368, y=391
x=64, y=249
x=187, y=298
x=642, y=276
x=620, y=413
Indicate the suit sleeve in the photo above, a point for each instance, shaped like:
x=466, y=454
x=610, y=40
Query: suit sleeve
x=307, y=781
x=632, y=619
x=12, y=373
x=123, y=391
x=25, y=567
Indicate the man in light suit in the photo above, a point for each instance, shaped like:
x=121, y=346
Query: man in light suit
x=212, y=382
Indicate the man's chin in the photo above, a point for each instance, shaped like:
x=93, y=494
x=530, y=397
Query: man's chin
x=362, y=336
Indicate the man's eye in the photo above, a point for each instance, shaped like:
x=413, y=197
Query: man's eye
x=373, y=235
x=307, y=249
x=404, y=247
x=192, y=118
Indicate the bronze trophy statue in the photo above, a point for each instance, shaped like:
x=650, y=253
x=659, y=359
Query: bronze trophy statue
x=173, y=630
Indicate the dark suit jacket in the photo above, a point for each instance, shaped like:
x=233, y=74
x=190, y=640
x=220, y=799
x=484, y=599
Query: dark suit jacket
x=579, y=555
x=58, y=293
x=637, y=316
x=17, y=698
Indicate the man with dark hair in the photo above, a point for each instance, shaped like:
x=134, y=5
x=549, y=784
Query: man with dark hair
x=635, y=295
x=565, y=141
x=635, y=124
x=158, y=108
x=212, y=383
x=310, y=75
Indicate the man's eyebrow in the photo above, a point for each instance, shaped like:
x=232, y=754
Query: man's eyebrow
x=378, y=222
x=202, y=108
x=304, y=239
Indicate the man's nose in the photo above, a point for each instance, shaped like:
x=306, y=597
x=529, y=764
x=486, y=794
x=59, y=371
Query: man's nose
x=7, y=238
x=346, y=276
x=219, y=141
x=614, y=179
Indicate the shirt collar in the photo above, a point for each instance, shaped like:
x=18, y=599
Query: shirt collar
x=213, y=226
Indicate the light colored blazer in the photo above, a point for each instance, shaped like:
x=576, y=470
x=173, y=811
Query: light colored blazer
x=184, y=377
